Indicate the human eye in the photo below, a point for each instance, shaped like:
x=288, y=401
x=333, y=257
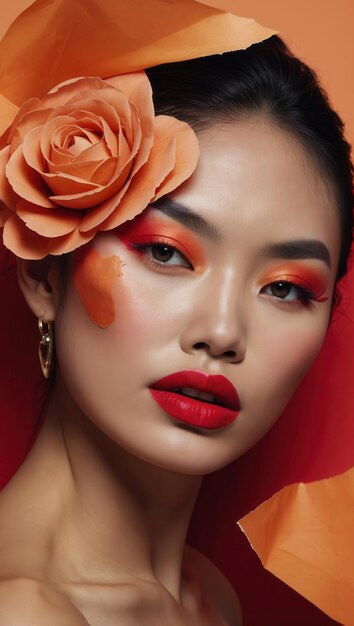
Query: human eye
x=293, y=293
x=161, y=254
x=288, y=292
x=299, y=286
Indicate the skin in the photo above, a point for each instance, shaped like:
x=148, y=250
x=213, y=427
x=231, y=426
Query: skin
x=109, y=463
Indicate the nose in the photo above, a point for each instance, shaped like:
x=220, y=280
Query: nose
x=217, y=321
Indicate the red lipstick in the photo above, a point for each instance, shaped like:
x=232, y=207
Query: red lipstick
x=197, y=398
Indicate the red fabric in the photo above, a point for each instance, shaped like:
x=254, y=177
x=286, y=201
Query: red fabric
x=21, y=385
x=313, y=439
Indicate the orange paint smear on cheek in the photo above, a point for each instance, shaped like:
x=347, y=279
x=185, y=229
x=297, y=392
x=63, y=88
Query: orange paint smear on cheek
x=94, y=277
x=145, y=227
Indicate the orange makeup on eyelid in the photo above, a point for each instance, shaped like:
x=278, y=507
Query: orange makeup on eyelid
x=146, y=228
x=94, y=277
x=300, y=276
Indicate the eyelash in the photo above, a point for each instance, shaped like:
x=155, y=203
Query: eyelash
x=142, y=249
x=305, y=296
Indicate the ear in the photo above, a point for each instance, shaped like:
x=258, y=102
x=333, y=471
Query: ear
x=39, y=283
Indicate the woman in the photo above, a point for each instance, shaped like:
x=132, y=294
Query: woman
x=180, y=336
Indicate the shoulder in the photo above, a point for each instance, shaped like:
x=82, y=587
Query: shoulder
x=215, y=586
x=25, y=601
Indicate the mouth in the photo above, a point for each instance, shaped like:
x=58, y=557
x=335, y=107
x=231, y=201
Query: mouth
x=197, y=398
x=198, y=395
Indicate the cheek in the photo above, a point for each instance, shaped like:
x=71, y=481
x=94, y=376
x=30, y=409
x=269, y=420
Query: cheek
x=98, y=361
x=288, y=353
x=279, y=357
x=94, y=278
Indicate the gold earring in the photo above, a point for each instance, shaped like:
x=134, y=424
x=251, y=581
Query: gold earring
x=46, y=346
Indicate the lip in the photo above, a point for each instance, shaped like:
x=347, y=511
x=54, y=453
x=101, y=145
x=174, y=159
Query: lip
x=194, y=411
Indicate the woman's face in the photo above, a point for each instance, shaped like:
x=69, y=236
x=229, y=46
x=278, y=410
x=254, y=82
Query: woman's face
x=242, y=288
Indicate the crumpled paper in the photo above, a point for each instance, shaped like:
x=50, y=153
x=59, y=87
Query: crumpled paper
x=304, y=535
x=53, y=40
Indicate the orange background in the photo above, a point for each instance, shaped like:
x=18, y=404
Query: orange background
x=319, y=31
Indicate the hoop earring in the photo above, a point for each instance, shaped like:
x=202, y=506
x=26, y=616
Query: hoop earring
x=46, y=346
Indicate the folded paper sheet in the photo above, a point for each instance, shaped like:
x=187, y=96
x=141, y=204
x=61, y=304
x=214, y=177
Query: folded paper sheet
x=305, y=535
x=97, y=38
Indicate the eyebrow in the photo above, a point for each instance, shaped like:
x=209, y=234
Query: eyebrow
x=298, y=249
x=295, y=249
x=187, y=217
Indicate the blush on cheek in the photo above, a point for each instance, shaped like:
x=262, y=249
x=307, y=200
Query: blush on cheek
x=94, y=277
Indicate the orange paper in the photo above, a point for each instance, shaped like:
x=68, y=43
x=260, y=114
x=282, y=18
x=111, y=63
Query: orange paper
x=94, y=277
x=108, y=37
x=304, y=535
x=8, y=111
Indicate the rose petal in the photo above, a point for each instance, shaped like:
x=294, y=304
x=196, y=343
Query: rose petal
x=46, y=134
x=66, y=187
x=110, y=137
x=37, y=118
x=105, y=103
x=83, y=171
x=70, y=242
x=137, y=88
x=141, y=145
x=91, y=119
x=89, y=199
x=7, y=194
x=27, y=244
x=96, y=216
x=125, y=152
x=75, y=140
x=25, y=181
x=104, y=172
x=97, y=109
x=58, y=155
x=67, y=90
x=167, y=160
x=48, y=222
x=23, y=242
x=144, y=184
x=88, y=121
x=187, y=153
x=129, y=120
x=36, y=146
x=95, y=152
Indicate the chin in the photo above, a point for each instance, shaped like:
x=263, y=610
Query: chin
x=191, y=451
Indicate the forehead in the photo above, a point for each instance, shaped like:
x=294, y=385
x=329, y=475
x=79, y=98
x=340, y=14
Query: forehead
x=254, y=179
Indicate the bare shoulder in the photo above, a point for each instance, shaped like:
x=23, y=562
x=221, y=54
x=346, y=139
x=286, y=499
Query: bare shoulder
x=25, y=601
x=215, y=586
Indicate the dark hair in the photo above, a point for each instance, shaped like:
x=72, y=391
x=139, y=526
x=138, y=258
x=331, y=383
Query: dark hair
x=265, y=79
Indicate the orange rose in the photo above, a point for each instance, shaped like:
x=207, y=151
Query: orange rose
x=87, y=157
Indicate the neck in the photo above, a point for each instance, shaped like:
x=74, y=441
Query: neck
x=120, y=514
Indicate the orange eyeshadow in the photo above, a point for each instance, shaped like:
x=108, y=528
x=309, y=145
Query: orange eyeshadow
x=94, y=277
x=145, y=228
x=302, y=276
